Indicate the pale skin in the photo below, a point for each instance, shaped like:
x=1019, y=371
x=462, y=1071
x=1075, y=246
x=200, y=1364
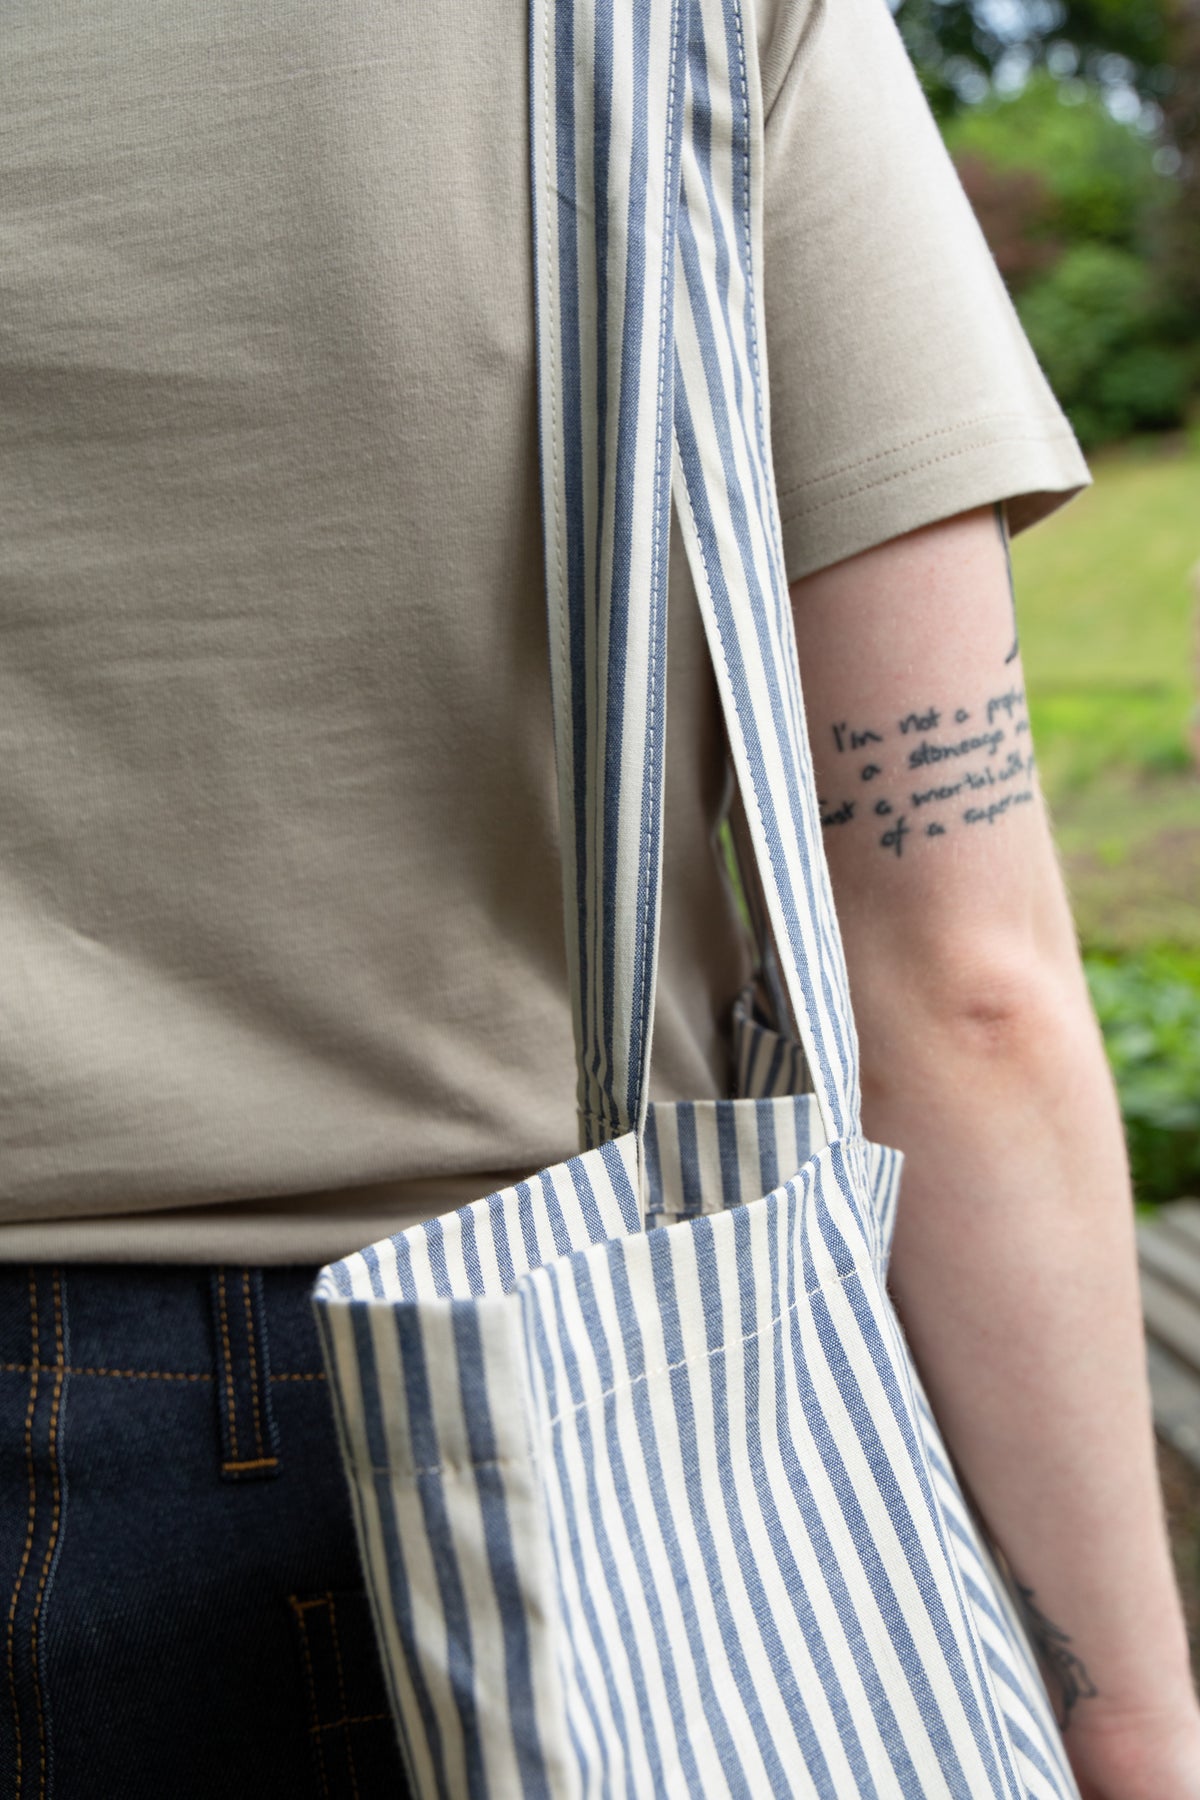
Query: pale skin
x=1013, y=1268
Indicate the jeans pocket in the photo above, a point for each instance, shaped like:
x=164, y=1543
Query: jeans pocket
x=354, y=1750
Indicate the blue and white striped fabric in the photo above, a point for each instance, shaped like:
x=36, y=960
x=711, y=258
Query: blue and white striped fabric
x=648, y=1496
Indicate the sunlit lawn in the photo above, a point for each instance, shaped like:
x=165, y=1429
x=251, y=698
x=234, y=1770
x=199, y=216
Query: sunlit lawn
x=1108, y=633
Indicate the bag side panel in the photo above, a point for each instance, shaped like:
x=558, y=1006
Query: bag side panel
x=451, y=1519
x=757, y=1578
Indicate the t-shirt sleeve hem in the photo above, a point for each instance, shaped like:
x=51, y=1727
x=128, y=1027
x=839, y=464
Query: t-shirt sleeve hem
x=1033, y=465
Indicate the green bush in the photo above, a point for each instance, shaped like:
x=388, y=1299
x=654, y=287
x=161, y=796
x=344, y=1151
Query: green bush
x=1100, y=173
x=1149, y=1011
x=1092, y=324
x=1148, y=385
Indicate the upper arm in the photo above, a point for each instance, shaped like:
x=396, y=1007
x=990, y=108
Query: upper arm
x=939, y=846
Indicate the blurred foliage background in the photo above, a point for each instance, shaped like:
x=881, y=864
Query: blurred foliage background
x=1075, y=127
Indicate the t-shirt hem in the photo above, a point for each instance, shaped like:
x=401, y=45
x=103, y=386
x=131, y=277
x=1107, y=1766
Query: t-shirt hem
x=296, y=1229
x=1034, y=466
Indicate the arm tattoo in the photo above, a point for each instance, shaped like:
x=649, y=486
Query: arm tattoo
x=932, y=771
x=935, y=769
x=1066, y=1675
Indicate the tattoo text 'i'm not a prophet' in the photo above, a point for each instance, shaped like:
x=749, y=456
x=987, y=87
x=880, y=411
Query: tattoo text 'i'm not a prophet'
x=931, y=771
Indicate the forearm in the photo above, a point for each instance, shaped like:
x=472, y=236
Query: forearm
x=1013, y=1265
x=1014, y=1272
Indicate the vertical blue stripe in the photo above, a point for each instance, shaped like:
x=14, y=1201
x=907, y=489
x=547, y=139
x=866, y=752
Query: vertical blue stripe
x=527, y=1224
x=761, y=1610
x=502, y=1562
x=768, y=1156
x=470, y=1250
x=727, y=1145
x=689, y=1157
x=593, y=1223
x=622, y=1187
x=814, y=1638
x=538, y=1339
x=499, y=1218
x=657, y=1194
x=635, y=1364
x=796, y=1451
x=460, y=1668
x=972, y=1690
x=625, y=1488
x=587, y=1507
x=436, y=1249
x=554, y=1215
x=899, y=1627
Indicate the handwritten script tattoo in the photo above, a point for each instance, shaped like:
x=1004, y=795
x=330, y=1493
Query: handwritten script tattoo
x=932, y=770
x=1065, y=1673
x=855, y=740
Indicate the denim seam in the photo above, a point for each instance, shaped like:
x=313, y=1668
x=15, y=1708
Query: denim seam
x=52, y=1541
x=300, y=1607
x=27, y=1368
x=358, y=1719
x=230, y=1392
x=337, y=1652
x=11, y=1646
x=252, y=1347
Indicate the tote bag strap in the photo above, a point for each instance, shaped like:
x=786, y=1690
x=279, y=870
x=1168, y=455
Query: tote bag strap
x=646, y=137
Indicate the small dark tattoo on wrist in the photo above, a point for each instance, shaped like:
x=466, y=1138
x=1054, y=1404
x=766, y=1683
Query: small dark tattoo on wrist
x=1066, y=1676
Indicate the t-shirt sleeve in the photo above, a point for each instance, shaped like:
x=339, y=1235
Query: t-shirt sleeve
x=903, y=388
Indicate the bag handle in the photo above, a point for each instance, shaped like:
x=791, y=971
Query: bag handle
x=646, y=135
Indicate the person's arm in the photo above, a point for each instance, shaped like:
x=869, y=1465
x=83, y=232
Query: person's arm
x=1013, y=1267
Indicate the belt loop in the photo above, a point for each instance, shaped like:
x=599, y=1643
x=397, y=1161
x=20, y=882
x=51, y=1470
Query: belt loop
x=249, y=1438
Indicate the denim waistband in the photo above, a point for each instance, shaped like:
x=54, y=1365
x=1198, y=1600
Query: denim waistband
x=241, y=1331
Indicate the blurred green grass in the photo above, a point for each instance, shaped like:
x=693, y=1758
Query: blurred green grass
x=1108, y=636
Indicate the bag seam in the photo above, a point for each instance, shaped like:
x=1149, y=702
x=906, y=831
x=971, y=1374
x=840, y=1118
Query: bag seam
x=622, y=1387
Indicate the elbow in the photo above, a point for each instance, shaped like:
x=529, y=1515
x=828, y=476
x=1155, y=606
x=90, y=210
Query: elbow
x=982, y=1006
x=998, y=1002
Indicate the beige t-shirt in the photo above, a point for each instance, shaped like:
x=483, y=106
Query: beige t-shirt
x=281, y=960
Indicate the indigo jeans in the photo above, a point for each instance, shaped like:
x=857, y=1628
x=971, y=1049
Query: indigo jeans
x=183, y=1610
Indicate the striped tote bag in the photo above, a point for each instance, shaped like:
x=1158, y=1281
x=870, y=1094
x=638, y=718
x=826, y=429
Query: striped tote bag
x=648, y=1497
